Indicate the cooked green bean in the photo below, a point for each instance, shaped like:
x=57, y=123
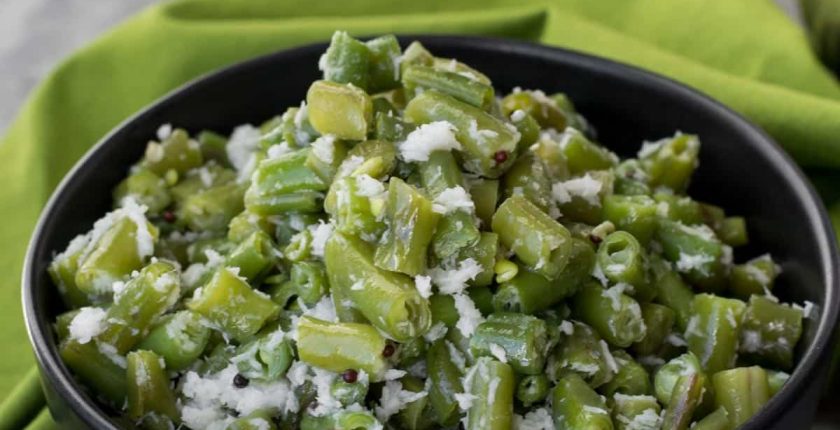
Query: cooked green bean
x=405, y=249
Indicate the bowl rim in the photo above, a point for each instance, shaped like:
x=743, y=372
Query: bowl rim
x=815, y=355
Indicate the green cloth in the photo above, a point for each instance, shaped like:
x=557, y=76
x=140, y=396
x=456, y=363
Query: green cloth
x=745, y=53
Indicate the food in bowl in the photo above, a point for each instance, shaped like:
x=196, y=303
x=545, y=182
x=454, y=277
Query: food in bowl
x=406, y=250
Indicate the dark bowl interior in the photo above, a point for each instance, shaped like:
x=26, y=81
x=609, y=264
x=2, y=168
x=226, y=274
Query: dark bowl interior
x=741, y=169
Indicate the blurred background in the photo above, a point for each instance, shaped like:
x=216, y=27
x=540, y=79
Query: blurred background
x=55, y=28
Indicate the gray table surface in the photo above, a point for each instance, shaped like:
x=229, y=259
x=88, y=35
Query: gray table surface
x=36, y=34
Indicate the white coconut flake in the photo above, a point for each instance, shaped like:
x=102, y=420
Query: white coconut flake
x=608, y=357
x=242, y=144
x=368, y=187
x=164, y=131
x=137, y=214
x=586, y=187
x=434, y=136
x=393, y=374
x=349, y=165
x=394, y=399
x=567, y=328
x=437, y=331
x=465, y=400
x=87, y=324
x=478, y=135
x=517, y=115
x=536, y=419
x=469, y=316
x=321, y=232
x=324, y=148
x=454, y=281
x=456, y=356
x=688, y=262
x=498, y=352
x=452, y=200
x=276, y=151
x=423, y=285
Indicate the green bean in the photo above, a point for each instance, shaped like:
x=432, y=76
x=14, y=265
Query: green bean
x=671, y=291
x=342, y=420
x=453, y=65
x=285, y=184
x=581, y=352
x=443, y=306
x=520, y=340
x=266, y=357
x=733, y=231
x=528, y=127
x=411, y=222
x=696, y=252
x=615, y=315
x=678, y=208
x=258, y=420
x=631, y=179
x=481, y=135
x=632, y=412
x=665, y=379
x=670, y=162
x=717, y=420
x=377, y=158
x=550, y=151
x=416, y=53
x=485, y=195
x=445, y=376
x=659, y=321
x=529, y=292
x=384, y=63
x=146, y=188
x=151, y=403
x=621, y=258
x=528, y=177
x=769, y=332
x=99, y=368
x=62, y=271
x=294, y=128
x=776, y=380
x=349, y=393
x=391, y=127
x=532, y=389
x=112, y=254
x=178, y=338
x=255, y=256
x=344, y=111
x=456, y=230
x=580, y=199
x=232, y=305
x=346, y=61
x=576, y=406
x=712, y=332
x=492, y=384
x=484, y=253
x=212, y=147
x=388, y=300
x=631, y=378
x=341, y=346
x=633, y=214
x=582, y=155
x=538, y=105
x=535, y=238
x=685, y=399
x=417, y=414
x=326, y=157
x=212, y=209
x=176, y=152
x=742, y=391
x=417, y=79
x=753, y=277
x=245, y=224
x=143, y=299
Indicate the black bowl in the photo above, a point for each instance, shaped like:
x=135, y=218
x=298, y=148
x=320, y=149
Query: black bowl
x=741, y=169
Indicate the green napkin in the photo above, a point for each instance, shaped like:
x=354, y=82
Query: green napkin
x=745, y=53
